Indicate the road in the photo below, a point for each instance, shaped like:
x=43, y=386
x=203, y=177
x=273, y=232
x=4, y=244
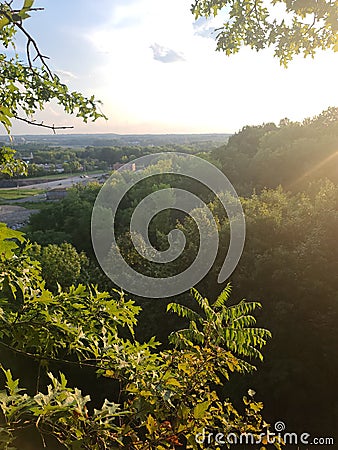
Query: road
x=65, y=183
x=47, y=186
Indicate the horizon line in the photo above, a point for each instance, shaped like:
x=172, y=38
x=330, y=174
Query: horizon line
x=115, y=134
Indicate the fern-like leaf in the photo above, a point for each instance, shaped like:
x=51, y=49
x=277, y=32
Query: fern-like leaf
x=223, y=297
x=183, y=311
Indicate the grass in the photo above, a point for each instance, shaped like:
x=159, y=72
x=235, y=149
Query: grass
x=33, y=205
x=15, y=194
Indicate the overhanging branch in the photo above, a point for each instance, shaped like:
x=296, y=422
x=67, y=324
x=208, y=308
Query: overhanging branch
x=30, y=41
x=41, y=124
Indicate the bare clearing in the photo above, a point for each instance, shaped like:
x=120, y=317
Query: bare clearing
x=15, y=216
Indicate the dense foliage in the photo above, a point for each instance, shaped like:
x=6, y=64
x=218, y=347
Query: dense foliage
x=157, y=399
x=289, y=259
x=291, y=154
x=290, y=27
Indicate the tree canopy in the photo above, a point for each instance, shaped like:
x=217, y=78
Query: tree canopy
x=291, y=27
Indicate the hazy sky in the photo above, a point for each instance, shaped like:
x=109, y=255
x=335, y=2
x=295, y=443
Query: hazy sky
x=156, y=70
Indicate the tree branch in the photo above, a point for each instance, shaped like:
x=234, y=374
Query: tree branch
x=40, y=358
x=30, y=41
x=38, y=124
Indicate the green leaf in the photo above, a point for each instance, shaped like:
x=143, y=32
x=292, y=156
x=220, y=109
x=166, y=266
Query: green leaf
x=23, y=13
x=12, y=385
x=3, y=22
x=28, y=4
x=173, y=382
x=151, y=425
x=200, y=409
x=223, y=297
x=8, y=239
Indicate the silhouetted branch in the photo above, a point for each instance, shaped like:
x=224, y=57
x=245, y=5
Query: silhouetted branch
x=30, y=41
x=41, y=124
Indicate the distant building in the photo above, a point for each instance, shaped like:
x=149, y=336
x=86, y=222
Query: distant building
x=28, y=158
x=127, y=166
x=55, y=168
x=56, y=194
x=59, y=168
x=117, y=166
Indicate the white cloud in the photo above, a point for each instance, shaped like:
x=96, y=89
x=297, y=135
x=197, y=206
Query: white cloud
x=206, y=27
x=165, y=54
x=66, y=75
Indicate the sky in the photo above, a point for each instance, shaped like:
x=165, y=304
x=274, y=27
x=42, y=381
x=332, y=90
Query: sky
x=156, y=70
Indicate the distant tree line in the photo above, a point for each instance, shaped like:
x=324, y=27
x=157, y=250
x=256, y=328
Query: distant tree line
x=291, y=154
x=48, y=159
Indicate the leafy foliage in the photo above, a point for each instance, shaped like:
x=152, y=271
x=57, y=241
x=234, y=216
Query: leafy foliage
x=9, y=166
x=61, y=264
x=163, y=397
x=289, y=261
x=291, y=154
x=28, y=86
x=226, y=327
x=291, y=27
